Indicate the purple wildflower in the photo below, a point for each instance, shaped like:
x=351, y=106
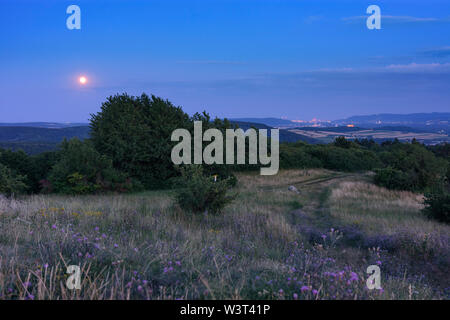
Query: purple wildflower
x=304, y=288
x=353, y=276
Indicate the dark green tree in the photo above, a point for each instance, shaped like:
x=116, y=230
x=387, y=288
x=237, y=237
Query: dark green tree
x=83, y=170
x=135, y=132
x=342, y=142
x=437, y=203
x=10, y=183
x=418, y=168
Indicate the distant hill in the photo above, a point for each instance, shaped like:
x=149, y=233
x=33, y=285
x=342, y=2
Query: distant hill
x=33, y=134
x=30, y=147
x=271, y=122
x=35, y=140
x=330, y=129
x=50, y=125
x=429, y=122
x=47, y=136
x=285, y=135
x=378, y=134
x=401, y=118
x=36, y=137
x=345, y=129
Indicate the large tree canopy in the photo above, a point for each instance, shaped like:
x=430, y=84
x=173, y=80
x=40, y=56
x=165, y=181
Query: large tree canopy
x=135, y=133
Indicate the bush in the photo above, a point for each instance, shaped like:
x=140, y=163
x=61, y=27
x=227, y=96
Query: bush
x=343, y=159
x=392, y=179
x=82, y=170
x=20, y=164
x=420, y=169
x=437, y=204
x=11, y=184
x=32, y=168
x=200, y=193
x=295, y=155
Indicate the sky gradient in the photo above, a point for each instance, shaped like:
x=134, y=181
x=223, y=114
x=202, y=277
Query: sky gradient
x=233, y=58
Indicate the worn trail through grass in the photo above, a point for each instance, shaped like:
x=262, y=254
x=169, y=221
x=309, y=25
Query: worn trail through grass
x=270, y=243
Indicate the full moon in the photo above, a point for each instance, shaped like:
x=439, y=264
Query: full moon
x=83, y=80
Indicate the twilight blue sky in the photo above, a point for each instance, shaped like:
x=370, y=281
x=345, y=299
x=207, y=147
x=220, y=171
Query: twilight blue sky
x=234, y=58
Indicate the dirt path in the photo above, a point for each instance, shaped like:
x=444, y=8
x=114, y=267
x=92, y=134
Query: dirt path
x=308, y=182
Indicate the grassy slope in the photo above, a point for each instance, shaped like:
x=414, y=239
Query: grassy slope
x=270, y=244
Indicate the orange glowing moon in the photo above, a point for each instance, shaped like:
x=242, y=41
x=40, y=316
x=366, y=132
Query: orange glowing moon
x=83, y=80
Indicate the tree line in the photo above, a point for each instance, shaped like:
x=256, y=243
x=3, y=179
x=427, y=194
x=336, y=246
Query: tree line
x=130, y=146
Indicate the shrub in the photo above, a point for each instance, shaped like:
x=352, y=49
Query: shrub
x=295, y=155
x=343, y=159
x=198, y=192
x=20, y=164
x=82, y=170
x=32, y=168
x=437, y=204
x=11, y=183
x=43, y=164
x=392, y=179
x=420, y=169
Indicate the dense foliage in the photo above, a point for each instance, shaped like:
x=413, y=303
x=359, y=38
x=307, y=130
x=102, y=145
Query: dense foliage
x=135, y=133
x=83, y=170
x=437, y=204
x=333, y=157
x=410, y=166
x=32, y=168
x=11, y=183
x=403, y=166
x=200, y=193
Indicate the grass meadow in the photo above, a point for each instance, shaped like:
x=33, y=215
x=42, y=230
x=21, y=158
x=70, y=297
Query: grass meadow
x=270, y=243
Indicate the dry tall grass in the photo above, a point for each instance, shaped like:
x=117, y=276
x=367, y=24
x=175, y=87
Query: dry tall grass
x=379, y=210
x=143, y=247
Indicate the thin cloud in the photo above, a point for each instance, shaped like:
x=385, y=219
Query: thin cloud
x=395, y=19
x=411, y=67
x=336, y=70
x=420, y=67
x=441, y=52
x=211, y=62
